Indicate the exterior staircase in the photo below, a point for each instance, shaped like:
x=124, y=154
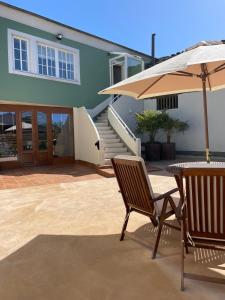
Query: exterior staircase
x=111, y=141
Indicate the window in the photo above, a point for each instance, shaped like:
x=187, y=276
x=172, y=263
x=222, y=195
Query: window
x=46, y=61
x=167, y=102
x=20, y=54
x=66, y=65
x=8, y=141
x=36, y=57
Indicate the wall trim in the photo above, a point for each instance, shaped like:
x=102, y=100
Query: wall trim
x=32, y=53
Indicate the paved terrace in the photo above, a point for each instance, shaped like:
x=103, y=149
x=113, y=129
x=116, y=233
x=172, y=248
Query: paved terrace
x=60, y=240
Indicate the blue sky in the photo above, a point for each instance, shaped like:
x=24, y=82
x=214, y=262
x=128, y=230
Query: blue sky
x=177, y=23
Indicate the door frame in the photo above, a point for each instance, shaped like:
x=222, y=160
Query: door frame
x=35, y=152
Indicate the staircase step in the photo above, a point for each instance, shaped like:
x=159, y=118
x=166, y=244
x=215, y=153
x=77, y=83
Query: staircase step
x=107, y=162
x=100, y=129
x=102, y=132
x=111, y=155
x=106, y=136
x=104, y=114
x=101, y=124
x=102, y=118
x=109, y=142
x=113, y=145
x=106, y=171
x=116, y=150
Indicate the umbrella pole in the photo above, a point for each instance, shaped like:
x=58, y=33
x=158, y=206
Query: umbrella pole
x=207, y=153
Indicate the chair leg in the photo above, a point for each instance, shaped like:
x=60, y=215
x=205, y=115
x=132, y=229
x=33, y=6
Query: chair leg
x=125, y=225
x=182, y=256
x=157, y=239
x=160, y=226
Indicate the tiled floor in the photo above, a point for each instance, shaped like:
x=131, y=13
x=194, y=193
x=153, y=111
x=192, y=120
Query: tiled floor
x=25, y=177
x=61, y=241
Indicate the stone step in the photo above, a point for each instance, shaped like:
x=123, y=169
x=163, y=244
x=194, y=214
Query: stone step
x=102, y=118
x=102, y=132
x=106, y=136
x=116, y=150
x=104, y=114
x=101, y=124
x=107, y=162
x=105, y=128
x=111, y=155
x=113, y=145
x=109, y=142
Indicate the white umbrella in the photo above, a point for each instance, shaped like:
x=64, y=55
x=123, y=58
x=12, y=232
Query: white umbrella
x=200, y=68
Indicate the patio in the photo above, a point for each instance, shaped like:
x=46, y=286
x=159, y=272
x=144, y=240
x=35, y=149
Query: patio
x=60, y=240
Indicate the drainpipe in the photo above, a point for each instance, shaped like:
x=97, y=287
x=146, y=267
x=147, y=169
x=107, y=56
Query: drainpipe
x=153, y=48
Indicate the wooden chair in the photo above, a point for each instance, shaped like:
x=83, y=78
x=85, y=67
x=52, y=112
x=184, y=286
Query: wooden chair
x=138, y=196
x=203, y=214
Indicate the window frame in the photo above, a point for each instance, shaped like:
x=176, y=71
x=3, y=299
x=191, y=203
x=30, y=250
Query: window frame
x=46, y=47
x=27, y=50
x=171, y=101
x=32, y=55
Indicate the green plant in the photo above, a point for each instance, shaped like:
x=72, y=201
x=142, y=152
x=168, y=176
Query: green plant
x=150, y=122
x=170, y=125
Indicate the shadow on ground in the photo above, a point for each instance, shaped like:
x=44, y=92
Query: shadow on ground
x=100, y=267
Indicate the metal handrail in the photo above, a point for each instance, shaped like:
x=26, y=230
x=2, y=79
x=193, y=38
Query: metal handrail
x=115, y=98
x=123, y=123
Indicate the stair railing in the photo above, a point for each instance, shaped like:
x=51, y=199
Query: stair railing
x=124, y=132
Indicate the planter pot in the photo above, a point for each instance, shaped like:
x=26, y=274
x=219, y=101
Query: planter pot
x=153, y=151
x=168, y=151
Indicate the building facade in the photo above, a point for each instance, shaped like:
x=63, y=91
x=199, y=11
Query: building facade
x=47, y=70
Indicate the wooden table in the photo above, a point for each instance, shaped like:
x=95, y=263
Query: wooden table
x=176, y=170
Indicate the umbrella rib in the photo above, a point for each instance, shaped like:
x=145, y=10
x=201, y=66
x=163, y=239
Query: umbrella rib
x=151, y=85
x=217, y=69
x=184, y=73
x=208, y=79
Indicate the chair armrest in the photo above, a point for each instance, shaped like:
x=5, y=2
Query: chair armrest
x=167, y=194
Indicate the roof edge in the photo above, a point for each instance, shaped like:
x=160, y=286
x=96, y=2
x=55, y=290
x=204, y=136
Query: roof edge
x=71, y=28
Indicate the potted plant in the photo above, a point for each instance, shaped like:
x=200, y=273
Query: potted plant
x=169, y=125
x=150, y=122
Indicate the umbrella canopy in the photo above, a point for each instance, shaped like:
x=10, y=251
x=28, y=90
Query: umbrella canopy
x=202, y=68
x=179, y=74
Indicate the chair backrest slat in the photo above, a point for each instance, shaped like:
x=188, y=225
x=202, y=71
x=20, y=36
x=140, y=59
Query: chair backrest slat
x=205, y=198
x=133, y=183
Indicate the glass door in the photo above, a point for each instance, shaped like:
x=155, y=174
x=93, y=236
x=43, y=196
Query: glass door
x=27, y=137
x=62, y=136
x=8, y=137
x=43, y=138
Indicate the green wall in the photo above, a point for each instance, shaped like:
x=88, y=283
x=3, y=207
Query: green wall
x=94, y=71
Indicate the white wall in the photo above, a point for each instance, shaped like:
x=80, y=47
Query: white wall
x=85, y=137
x=190, y=108
x=126, y=107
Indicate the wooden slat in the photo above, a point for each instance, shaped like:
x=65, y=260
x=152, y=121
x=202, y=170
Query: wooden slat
x=206, y=203
x=223, y=205
x=218, y=203
x=188, y=198
x=199, y=190
x=194, y=204
x=212, y=204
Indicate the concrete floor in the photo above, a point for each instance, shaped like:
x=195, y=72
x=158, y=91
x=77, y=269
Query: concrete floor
x=61, y=241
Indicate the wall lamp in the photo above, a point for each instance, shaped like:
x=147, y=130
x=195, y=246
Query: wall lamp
x=59, y=36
